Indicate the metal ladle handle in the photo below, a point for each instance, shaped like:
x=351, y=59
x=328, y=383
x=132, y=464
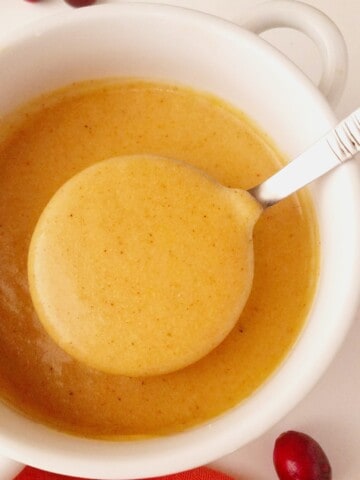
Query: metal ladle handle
x=340, y=144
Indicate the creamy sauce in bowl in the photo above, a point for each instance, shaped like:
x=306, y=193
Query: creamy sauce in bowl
x=85, y=124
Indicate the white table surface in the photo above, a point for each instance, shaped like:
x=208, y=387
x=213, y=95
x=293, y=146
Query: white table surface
x=331, y=412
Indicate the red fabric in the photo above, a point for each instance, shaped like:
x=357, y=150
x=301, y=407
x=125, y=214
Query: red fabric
x=202, y=473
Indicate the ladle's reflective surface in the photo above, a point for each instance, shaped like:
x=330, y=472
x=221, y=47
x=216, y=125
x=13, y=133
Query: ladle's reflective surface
x=141, y=265
x=338, y=146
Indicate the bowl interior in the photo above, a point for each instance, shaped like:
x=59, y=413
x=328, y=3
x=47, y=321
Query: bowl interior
x=186, y=47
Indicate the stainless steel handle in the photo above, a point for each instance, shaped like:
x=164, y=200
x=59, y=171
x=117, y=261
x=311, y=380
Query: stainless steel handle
x=340, y=144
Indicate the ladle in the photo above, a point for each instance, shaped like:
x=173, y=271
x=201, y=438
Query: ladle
x=150, y=290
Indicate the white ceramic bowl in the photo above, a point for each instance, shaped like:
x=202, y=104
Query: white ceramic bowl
x=187, y=47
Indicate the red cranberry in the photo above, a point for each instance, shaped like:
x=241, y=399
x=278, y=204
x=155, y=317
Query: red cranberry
x=80, y=3
x=297, y=456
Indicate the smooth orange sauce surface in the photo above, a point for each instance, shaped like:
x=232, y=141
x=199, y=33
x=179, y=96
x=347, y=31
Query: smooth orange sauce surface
x=141, y=265
x=61, y=134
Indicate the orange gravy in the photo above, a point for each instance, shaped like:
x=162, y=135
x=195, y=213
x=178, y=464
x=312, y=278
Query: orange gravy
x=58, y=135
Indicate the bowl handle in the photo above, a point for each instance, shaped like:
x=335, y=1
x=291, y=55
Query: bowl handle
x=9, y=468
x=316, y=25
